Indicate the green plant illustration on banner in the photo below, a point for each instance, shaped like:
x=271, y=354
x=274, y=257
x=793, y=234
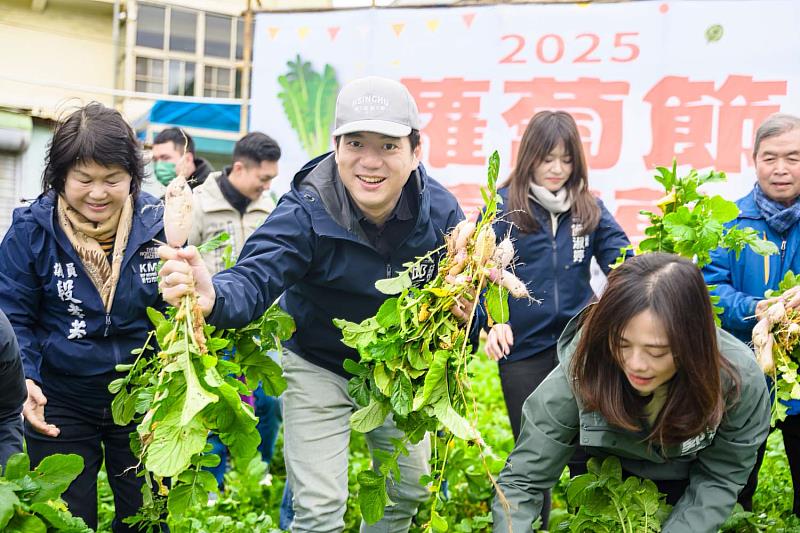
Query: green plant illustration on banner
x=309, y=100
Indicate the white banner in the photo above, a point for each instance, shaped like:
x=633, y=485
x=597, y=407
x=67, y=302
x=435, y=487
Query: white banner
x=646, y=81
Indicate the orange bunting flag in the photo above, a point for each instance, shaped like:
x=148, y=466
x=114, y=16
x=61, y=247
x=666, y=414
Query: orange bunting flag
x=398, y=28
x=273, y=32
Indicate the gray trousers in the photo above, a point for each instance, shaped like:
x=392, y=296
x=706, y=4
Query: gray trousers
x=316, y=437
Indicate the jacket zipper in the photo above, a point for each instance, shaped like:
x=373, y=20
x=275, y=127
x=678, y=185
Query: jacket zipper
x=555, y=267
x=108, y=324
x=388, y=270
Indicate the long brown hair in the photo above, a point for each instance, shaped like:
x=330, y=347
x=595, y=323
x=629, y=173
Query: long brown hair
x=672, y=288
x=544, y=132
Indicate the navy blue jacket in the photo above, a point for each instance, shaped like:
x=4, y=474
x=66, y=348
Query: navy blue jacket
x=312, y=253
x=57, y=314
x=13, y=392
x=556, y=270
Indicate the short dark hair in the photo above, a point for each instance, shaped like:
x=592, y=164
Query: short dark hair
x=413, y=139
x=256, y=147
x=177, y=136
x=92, y=133
x=673, y=289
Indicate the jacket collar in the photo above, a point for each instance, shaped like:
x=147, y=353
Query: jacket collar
x=147, y=220
x=747, y=207
x=320, y=177
x=213, y=200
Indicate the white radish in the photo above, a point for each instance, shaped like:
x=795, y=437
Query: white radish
x=765, y=359
x=462, y=233
x=459, y=261
x=776, y=312
x=177, y=212
x=484, y=245
x=504, y=253
x=508, y=281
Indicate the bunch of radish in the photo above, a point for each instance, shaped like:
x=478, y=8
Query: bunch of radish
x=776, y=343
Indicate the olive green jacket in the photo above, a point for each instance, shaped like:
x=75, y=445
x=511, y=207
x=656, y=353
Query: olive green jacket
x=716, y=463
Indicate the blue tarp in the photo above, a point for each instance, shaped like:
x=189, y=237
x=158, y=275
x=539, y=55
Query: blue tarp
x=219, y=117
x=223, y=117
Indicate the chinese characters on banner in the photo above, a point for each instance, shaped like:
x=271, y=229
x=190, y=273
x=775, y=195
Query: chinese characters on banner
x=643, y=81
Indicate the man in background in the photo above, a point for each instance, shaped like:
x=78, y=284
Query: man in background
x=168, y=151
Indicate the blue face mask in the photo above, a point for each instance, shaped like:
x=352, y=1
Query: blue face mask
x=164, y=171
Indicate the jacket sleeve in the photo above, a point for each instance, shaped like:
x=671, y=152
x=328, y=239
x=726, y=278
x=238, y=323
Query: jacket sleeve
x=738, y=307
x=20, y=294
x=278, y=254
x=609, y=239
x=722, y=469
x=547, y=441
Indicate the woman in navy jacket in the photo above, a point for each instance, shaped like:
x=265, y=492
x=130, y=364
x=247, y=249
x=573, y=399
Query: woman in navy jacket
x=78, y=268
x=557, y=226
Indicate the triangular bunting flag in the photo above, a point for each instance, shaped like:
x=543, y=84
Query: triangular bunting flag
x=303, y=32
x=398, y=28
x=468, y=18
x=432, y=24
x=333, y=32
x=273, y=32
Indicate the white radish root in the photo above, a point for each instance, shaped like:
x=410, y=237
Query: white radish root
x=504, y=253
x=462, y=233
x=484, y=245
x=177, y=212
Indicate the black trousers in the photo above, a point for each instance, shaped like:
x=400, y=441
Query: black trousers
x=790, y=428
x=518, y=380
x=94, y=436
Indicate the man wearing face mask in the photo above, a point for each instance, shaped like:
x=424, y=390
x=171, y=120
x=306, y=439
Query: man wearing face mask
x=168, y=151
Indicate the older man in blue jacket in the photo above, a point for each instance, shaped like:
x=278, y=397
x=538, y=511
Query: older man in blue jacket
x=352, y=217
x=773, y=209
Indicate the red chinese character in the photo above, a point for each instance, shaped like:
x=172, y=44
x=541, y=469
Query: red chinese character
x=454, y=131
x=629, y=203
x=595, y=105
x=686, y=115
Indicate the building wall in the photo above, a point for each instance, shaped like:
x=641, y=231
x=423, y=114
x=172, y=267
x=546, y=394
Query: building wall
x=69, y=42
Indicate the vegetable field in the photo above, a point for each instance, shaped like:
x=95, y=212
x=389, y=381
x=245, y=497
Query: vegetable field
x=247, y=504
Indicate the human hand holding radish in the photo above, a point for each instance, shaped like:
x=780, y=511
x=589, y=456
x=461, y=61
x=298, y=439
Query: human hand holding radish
x=183, y=272
x=499, y=342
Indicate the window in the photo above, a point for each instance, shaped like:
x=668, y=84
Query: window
x=149, y=75
x=218, y=36
x=217, y=82
x=185, y=52
x=181, y=78
x=182, y=31
x=150, y=27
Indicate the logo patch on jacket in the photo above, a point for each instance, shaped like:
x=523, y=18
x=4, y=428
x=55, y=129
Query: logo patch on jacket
x=148, y=268
x=423, y=272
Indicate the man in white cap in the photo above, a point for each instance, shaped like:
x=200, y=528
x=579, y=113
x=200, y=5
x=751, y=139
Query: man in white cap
x=352, y=217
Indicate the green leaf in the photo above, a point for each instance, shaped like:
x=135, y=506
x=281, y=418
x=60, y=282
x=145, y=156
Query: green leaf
x=59, y=518
x=8, y=500
x=454, y=422
x=387, y=315
x=497, y=303
x=54, y=474
x=358, y=389
x=191, y=491
x=370, y=417
x=372, y=497
x=26, y=524
x=394, y=285
x=259, y=367
x=358, y=335
x=435, y=386
x=174, y=444
x=437, y=522
x=402, y=395
x=214, y=243
x=722, y=210
x=383, y=379
x=17, y=466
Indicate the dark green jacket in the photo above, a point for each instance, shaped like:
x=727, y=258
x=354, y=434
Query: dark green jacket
x=716, y=463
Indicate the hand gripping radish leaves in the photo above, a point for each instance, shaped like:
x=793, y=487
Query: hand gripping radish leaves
x=414, y=351
x=189, y=388
x=776, y=341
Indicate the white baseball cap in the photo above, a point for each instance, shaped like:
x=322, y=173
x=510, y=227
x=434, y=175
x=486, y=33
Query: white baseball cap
x=377, y=105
